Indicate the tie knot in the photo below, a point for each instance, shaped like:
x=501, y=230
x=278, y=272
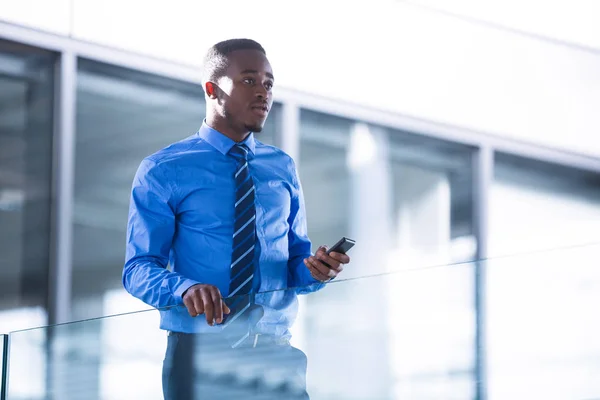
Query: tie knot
x=239, y=152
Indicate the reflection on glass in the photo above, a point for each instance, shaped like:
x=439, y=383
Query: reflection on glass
x=542, y=331
x=407, y=202
x=542, y=341
x=26, y=101
x=123, y=356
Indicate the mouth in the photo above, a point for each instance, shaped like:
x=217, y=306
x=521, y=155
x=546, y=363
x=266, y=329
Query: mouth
x=261, y=110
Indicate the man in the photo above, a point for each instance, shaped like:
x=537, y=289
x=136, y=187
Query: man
x=217, y=227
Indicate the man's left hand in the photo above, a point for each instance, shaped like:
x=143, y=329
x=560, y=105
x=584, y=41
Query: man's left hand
x=322, y=272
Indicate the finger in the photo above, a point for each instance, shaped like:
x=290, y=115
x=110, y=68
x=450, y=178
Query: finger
x=208, y=307
x=217, y=306
x=198, y=305
x=226, y=309
x=338, y=267
x=322, y=268
x=321, y=251
x=315, y=271
x=189, y=304
x=342, y=258
x=329, y=262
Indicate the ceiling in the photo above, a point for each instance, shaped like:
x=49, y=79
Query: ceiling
x=570, y=22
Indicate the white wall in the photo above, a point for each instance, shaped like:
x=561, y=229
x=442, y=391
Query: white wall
x=387, y=54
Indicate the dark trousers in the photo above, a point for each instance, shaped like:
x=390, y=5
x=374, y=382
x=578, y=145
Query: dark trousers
x=204, y=366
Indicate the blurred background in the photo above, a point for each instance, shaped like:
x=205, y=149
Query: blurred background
x=459, y=139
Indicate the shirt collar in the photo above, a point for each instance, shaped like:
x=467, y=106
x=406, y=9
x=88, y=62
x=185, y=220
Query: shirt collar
x=221, y=142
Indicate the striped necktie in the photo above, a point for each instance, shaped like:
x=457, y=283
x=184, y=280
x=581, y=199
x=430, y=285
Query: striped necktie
x=244, y=240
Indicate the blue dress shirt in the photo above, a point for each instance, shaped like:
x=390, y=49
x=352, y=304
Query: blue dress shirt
x=180, y=230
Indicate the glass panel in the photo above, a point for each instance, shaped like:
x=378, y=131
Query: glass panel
x=122, y=117
x=122, y=356
x=28, y=369
x=543, y=336
x=3, y=365
x=539, y=346
x=432, y=210
x=543, y=325
x=26, y=109
x=407, y=201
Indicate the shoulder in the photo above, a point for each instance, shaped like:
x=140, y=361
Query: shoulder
x=160, y=168
x=178, y=154
x=179, y=151
x=275, y=155
x=278, y=161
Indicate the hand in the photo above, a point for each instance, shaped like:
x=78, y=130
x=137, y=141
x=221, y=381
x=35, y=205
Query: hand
x=322, y=272
x=205, y=299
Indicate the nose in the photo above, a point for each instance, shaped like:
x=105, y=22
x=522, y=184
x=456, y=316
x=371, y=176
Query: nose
x=261, y=92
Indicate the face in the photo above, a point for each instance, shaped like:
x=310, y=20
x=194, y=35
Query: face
x=246, y=96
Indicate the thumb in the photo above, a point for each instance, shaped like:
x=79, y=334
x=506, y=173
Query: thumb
x=321, y=250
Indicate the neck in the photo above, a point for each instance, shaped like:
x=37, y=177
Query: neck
x=222, y=126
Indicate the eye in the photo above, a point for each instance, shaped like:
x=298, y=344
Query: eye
x=249, y=81
x=269, y=85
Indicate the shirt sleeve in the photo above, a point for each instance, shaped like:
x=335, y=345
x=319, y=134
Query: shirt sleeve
x=150, y=231
x=299, y=243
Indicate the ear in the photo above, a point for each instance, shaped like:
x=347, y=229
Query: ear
x=211, y=90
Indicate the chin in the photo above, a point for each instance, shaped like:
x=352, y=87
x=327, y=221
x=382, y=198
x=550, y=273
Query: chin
x=257, y=128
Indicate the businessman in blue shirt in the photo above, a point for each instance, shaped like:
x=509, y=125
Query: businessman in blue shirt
x=217, y=228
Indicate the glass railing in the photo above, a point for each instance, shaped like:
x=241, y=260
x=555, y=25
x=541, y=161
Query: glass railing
x=408, y=333
x=3, y=366
x=542, y=324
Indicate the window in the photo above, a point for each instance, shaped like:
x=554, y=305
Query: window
x=26, y=111
x=406, y=200
x=543, y=281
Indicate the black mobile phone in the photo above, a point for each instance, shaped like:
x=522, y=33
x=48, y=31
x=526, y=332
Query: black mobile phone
x=342, y=246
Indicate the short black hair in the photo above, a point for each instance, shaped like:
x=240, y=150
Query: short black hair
x=216, y=58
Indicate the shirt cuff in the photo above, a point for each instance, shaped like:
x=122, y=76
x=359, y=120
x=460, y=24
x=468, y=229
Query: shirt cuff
x=184, y=285
x=310, y=284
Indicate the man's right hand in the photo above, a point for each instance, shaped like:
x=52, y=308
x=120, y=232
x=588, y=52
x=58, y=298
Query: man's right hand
x=205, y=299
